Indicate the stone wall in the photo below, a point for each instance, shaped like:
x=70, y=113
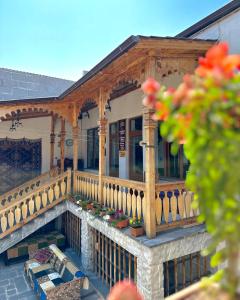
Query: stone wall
x=151, y=254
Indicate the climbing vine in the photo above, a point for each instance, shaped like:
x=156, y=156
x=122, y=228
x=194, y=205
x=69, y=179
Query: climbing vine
x=203, y=113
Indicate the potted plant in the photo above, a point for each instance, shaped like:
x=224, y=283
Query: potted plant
x=136, y=227
x=119, y=220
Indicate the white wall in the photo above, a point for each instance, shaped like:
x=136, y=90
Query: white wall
x=125, y=107
x=35, y=128
x=226, y=29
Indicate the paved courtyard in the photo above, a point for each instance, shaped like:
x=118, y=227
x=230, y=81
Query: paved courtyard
x=14, y=286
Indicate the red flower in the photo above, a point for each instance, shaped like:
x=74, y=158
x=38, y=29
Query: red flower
x=150, y=86
x=124, y=290
x=218, y=61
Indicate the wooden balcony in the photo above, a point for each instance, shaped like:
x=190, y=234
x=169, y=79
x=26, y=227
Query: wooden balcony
x=172, y=201
x=171, y=206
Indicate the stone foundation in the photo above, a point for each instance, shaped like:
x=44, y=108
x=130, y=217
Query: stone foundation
x=150, y=253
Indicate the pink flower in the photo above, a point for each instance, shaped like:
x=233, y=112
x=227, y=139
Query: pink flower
x=150, y=86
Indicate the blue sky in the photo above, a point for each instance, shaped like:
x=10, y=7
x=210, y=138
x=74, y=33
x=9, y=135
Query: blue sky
x=63, y=37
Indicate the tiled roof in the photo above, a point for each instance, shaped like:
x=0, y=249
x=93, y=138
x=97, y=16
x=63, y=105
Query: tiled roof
x=17, y=85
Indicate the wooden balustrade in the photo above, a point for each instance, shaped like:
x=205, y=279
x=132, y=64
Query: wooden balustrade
x=24, y=209
x=126, y=195
x=86, y=184
x=174, y=205
x=26, y=187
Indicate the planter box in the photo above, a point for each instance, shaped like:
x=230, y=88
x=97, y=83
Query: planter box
x=137, y=231
x=122, y=224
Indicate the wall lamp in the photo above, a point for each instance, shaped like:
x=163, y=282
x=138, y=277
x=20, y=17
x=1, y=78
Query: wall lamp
x=108, y=106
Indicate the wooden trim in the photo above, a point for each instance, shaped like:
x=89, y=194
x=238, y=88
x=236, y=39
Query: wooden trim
x=133, y=133
x=181, y=223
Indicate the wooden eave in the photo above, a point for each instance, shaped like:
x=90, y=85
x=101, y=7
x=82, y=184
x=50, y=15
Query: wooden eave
x=127, y=62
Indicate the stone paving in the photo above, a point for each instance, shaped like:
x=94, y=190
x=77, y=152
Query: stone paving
x=14, y=286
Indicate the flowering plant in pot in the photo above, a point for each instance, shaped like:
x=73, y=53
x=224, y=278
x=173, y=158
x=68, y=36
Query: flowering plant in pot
x=119, y=220
x=203, y=114
x=136, y=227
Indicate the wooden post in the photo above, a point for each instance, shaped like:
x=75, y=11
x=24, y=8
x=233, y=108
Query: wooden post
x=102, y=139
x=52, y=141
x=75, y=154
x=150, y=164
x=62, y=145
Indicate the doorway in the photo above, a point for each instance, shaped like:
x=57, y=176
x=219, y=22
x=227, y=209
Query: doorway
x=135, y=150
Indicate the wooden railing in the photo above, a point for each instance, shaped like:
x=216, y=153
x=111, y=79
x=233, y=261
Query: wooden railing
x=126, y=195
x=24, y=209
x=119, y=194
x=86, y=184
x=174, y=205
x=26, y=187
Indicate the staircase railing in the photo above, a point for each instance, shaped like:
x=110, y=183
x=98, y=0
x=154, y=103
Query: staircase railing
x=26, y=187
x=26, y=208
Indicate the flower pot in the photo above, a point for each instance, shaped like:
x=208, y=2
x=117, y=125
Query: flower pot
x=122, y=224
x=137, y=231
x=89, y=206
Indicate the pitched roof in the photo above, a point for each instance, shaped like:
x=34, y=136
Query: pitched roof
x=129, y=43
x=17, y=85
x=215, y=16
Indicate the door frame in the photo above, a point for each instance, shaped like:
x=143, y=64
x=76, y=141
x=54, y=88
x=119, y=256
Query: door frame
x=135, y=133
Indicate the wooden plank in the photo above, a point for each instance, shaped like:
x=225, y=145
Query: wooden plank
x=119, y=263
x=115, y=263
x=129, y=265
x=111, y=262
x=198, y=266
x=166, y=208
x=167, y=277
x=174, y=207
x=191, y=268
x=184, y=271
x=158, y=206
x=175, y=274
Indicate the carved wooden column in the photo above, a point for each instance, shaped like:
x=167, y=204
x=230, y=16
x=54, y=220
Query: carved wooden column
x=150, y=163
x=52, y=141
x=62, y=145
x=102, y=140
x=75, y=131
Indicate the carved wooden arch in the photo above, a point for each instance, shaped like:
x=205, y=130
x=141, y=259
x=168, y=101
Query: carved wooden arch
x=88, y=104
x=62, y=110
x=122, y=87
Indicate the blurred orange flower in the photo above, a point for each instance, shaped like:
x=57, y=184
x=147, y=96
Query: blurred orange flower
x=150, y=86
x=124, y=290
x=217, y=60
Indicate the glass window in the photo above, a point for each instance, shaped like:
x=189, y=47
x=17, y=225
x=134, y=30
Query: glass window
x=170, y=166
x=114, y=150
x=136, y=124
x=135, y=150
x=92, y=149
